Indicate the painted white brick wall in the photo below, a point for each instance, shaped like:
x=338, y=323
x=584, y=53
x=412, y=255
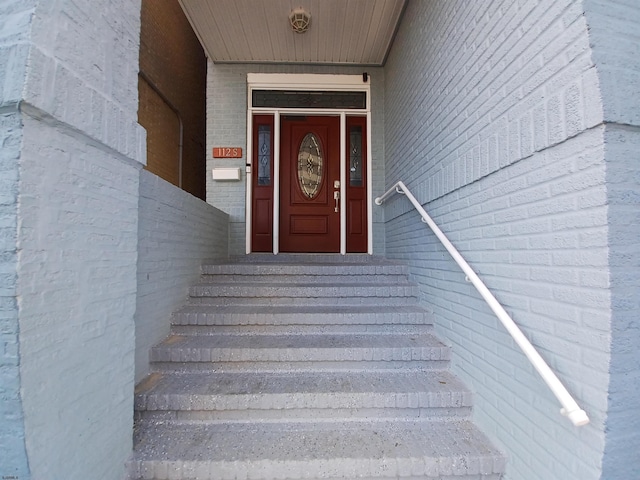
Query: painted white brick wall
x=613, y=33
x=493, y=118
x=11, y=419
x=15, y=28
x=623, y=425
x=176, y=232
x=227, y=126
x=613, y=27
x=77, y=224
x=81, y=70
x=77, y=298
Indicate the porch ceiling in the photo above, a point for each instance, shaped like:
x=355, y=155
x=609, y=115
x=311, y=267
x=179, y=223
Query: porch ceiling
x=351, y=32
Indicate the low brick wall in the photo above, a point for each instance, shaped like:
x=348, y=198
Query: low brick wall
x=176, y=233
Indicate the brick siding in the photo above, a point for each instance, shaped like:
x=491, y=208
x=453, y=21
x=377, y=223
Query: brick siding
x=77, y=297
x=493, y=118
x=176, y=233
x=11, y=416
x=613, y=30
x=78, y=150
x=15, y=29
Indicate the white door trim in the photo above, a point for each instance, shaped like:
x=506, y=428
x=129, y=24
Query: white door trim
x=310, y=82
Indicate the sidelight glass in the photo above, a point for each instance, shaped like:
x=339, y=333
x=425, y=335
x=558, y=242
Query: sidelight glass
x=355, y=156
x=264, y=155
x=310, y=165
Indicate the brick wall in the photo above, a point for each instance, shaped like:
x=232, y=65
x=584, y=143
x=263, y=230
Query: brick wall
x=77, y=298
x=77, y=199
x=176, y=233
x=227, y=126
x=623, y=426
x=613, y=35
x=163, y=133
x=15, y=29
x=172, y=59
x=11, y=417
x=493, y=118
x=613, y=29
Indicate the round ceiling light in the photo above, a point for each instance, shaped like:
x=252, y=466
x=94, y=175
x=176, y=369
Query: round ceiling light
x=300, y=20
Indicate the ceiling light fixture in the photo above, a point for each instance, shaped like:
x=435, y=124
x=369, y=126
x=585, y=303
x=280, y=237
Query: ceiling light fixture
x=300, y=20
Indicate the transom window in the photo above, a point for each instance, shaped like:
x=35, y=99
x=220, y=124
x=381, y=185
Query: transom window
x=309, y=99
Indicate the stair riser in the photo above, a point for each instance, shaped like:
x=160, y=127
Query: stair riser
x=291, y=291
x=303, y=301
x=296, y=354
x=306, y=278
x=379, y=469
x=280, y=367
x=307, y=270
x=413, y=402
x=331, y=329
x=305, y=415
x=213, y=318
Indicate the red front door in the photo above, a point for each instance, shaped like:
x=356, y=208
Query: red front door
x=310, y=175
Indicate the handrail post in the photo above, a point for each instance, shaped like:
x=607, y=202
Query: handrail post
x=570, y=408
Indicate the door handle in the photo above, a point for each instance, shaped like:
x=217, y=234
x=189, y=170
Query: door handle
x=336, y=196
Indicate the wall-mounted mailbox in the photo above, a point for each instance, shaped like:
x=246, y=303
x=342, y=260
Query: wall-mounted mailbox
x=226, y=174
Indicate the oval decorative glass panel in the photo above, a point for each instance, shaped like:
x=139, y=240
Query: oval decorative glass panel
x=310, y=165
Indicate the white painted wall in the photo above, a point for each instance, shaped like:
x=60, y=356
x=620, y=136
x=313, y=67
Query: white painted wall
x=494, y=119
x=176, y=232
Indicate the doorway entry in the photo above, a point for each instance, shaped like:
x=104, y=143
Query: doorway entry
x=310, y=184
x=308, y=170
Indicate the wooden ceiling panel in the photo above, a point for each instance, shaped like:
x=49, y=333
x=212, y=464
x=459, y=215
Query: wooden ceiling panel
x=353, y=32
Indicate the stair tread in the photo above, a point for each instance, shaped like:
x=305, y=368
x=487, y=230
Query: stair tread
x=363, y=445
x=317, y=341
x=253, y=383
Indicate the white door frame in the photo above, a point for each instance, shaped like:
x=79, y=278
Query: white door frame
x=308, y=82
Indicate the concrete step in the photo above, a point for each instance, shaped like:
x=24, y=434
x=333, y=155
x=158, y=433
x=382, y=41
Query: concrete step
x=299, y=352
x=305, y=290
x=345, y=277
x=304, y=273
x=292, y=329
x=359, y=449
x=305, y=366
x=298, y=396
x=319, y=294
x=394, y=315
x=306, y=259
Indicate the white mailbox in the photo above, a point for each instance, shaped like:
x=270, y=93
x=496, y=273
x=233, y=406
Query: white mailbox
x=227, y=174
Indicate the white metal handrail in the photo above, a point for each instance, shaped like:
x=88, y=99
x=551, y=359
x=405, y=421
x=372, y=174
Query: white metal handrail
x=569, y=406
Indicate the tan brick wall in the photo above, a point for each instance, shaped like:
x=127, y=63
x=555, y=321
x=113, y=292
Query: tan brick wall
x=173, y=63
x=163, y=133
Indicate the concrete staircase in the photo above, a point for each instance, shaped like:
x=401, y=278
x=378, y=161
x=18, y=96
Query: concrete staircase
x=314, y=366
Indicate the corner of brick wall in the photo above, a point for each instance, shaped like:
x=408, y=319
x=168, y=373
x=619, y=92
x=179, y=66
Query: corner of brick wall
x=494, y=120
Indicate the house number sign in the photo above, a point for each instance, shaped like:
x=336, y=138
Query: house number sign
x=227, y=152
